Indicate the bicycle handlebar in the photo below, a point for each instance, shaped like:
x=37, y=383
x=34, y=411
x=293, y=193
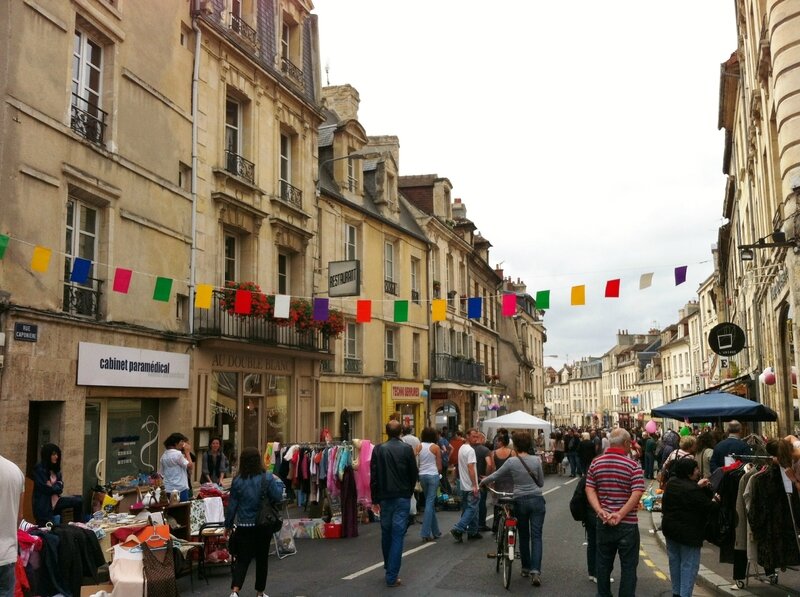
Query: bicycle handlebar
x=502, y=494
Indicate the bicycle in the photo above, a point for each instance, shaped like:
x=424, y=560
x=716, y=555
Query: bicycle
x=506, y=538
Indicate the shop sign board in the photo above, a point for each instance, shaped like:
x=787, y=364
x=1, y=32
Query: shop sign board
x=119, y=366
x=726, y=339
x=344, y=278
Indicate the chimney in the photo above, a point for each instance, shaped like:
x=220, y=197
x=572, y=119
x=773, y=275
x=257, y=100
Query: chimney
x=459, y=210
x=342, y=99
x=497, y=269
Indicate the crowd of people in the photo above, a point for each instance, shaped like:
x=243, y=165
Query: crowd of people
x=614, y=466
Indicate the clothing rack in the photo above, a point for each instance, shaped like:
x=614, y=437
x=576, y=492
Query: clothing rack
x=751, y=458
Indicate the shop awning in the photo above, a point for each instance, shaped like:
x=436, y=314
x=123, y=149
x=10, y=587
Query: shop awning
x=716, y=405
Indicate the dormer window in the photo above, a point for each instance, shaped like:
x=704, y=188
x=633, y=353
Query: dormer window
x=290, y=50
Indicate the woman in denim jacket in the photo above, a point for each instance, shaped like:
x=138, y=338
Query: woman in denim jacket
x=249, y=541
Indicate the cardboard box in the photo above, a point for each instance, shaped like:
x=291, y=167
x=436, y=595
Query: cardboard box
x=87, y=590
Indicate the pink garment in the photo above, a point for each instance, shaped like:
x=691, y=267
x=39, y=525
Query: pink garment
x=27, y=544
x=362, y=474
x=333, y=488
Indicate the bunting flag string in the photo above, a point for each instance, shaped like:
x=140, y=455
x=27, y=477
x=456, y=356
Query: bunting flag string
x=243, y=300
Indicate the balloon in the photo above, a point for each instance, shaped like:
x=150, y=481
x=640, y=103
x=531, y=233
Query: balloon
x=424, y=393
x=651, y=427
x=769, y=376
x=685, y=430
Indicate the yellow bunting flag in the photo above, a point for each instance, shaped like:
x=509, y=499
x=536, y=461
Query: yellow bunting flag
x=438, y=309
x=202, y=296
x=578, y=295
x=41, y=259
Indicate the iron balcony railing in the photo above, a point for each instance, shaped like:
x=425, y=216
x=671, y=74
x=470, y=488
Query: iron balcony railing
x=291, y=194
x=290, y=70
x=390, y=367
x=244, y=30
x=415, y=296
x=88, y=120
x=219, y=322
x=326, y=366
x=352, y=365
x=390, y=287
x=83, y=299
x=448, y=367
x=236, y=164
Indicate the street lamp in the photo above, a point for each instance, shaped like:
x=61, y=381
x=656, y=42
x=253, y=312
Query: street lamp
x=366, y=155
x=748, y=253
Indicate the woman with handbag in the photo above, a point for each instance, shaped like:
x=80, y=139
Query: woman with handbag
x=249, y=540
x=529, y=506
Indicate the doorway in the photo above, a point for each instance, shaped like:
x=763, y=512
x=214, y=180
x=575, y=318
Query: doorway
x=447, y=416
x=44, y=427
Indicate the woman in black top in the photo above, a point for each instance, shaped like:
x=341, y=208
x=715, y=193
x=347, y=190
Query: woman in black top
x=586, y=452
x=215, y=465
x=685, y=507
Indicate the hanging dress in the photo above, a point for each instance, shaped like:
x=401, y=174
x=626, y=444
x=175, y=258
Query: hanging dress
x=159, y=574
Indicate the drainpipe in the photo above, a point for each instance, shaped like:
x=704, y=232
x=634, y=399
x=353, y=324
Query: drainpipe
x=195, y=79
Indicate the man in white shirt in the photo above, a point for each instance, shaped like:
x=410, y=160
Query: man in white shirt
x=12, y=484
x=412, y=440
x=470, y=490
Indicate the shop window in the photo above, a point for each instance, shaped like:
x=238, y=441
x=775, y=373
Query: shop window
x=277, y=408
x=120, y=439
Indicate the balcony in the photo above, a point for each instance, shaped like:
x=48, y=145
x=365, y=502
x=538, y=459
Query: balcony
x=292, y=71
x=244, y=30
x=352, y=365
x=326, y=366
x=390, y=287
x=415, y=296
x=291, y=195
x=83, y=300
x=390, y=367
x=238, y=166
x=450, y=368
x=218, y=322
x=88, y=120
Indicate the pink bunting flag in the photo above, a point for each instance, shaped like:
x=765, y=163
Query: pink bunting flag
x=509, y=304
x=122, y=280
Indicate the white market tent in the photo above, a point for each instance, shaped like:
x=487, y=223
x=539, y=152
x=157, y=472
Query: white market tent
x=518, y=420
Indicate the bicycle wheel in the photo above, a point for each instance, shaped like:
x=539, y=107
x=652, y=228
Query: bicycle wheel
x=501, y=524
x=507, y=561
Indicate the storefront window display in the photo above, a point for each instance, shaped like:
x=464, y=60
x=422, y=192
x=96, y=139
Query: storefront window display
x=249, y=409
x=120, y=439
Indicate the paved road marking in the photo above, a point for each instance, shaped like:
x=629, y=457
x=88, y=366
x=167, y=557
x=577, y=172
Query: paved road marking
x=380, y=564
x=551, y=490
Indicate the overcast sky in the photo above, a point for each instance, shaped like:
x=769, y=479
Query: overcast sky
x=582, y=137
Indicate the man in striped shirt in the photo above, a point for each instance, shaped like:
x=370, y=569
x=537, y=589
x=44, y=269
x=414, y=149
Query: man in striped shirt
x=614, y=484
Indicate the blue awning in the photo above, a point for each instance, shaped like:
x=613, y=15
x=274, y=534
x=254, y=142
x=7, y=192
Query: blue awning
x=713, y=406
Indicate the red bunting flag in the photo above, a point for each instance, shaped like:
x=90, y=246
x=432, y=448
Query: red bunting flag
x=243, y=302
x=122, y=280
x=363, y=311
x=612, y=288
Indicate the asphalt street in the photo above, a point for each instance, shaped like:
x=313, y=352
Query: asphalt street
x=349, y=567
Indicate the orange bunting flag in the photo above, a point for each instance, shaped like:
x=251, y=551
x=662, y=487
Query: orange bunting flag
x=363, y=311
x=612, y=288
x=41, y=259
x=578, y=296
x=438, y=310
x=202, y=296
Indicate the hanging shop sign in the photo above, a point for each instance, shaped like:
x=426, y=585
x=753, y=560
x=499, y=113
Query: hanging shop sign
x=344, y=278
x=726, y=339
x=119, y=366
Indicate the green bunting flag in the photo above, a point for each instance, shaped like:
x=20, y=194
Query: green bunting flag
x=3, y=245
x=163, y=289
x=543, y=299
x=400, y=311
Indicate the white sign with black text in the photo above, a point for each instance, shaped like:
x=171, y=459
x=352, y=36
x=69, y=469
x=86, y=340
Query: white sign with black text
x=118, y=366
